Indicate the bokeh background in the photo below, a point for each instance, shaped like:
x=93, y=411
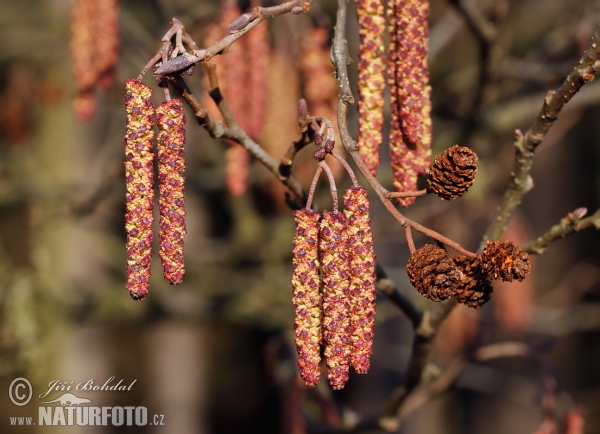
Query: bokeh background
x=215, y=354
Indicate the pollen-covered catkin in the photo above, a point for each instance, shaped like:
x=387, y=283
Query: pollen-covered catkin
x=171, y=177
x=335, y=260
x=362, y=277
x=139, y=182
x=371, y=80
x=410, y=93
x=306, y=285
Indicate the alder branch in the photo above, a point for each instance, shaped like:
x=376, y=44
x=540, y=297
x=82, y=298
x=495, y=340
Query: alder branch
x=234, y=132
x=236, y=30
x=526, y=144
x=572, y=223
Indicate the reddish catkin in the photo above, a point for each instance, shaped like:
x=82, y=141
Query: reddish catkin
x=371, y=80
x=139, y=179
x=335, y=261
x=410, y=136
x=259, y=54
x=233, y=70
x=362, y=277
x=171, y=176
x=82, y=50
x=306, y=284
x=107, y=40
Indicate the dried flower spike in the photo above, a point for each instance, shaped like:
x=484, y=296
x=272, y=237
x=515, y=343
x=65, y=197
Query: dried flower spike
x=335, y=260
x=505, y=260
x=306, y=284
x=433, y=273
x=371, y=80
x=139, y=181
x=474, y=289
x=362, y=277
x=171, y=177
x=453, y=172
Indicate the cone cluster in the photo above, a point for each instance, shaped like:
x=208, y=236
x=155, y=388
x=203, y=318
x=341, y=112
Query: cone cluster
x=453, y=172
x=438, y=277
x=139, y=178
x=334, y=290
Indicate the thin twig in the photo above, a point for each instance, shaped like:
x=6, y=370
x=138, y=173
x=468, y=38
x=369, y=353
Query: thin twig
x=313, y=186
x=568, y=225
x=347, y=167
x=394, y=194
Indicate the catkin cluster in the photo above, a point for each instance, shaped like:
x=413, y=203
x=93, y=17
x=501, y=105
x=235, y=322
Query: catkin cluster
x=334, y=290
x=438, y=277
x=139, y=178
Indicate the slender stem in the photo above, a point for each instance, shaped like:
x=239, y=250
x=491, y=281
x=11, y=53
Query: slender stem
x=394, y=194
x=409, y=239
x=347, y=167
x=313, y=186
x=332, y=186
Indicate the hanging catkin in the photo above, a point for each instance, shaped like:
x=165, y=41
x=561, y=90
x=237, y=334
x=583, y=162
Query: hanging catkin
x=139, y=182
x=170, y=120
x=371, y=80
x=410, y=93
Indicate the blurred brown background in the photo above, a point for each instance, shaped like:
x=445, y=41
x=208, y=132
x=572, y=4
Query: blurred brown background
x=215, y=355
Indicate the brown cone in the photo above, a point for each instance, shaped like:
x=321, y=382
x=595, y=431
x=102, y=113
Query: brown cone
x=475, y=288
x=453, y=172
x=433, y=273
x=505, y=260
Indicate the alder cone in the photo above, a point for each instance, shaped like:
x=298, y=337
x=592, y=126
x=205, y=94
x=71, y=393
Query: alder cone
x=504, y=260
x=433, y=273
x=474, y=289
x=453, y=172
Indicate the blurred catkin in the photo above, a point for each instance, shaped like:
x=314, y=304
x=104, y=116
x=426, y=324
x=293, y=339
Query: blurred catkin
x=362, y=277
x=85, y=73
x=335, y=261
x=371, y=79
x=258, y=50
x=94, y=46
x=410, y=93
x=107, y=40
x=171, y=177
x=139, y=179
x=233, y=71
x=306, y=285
